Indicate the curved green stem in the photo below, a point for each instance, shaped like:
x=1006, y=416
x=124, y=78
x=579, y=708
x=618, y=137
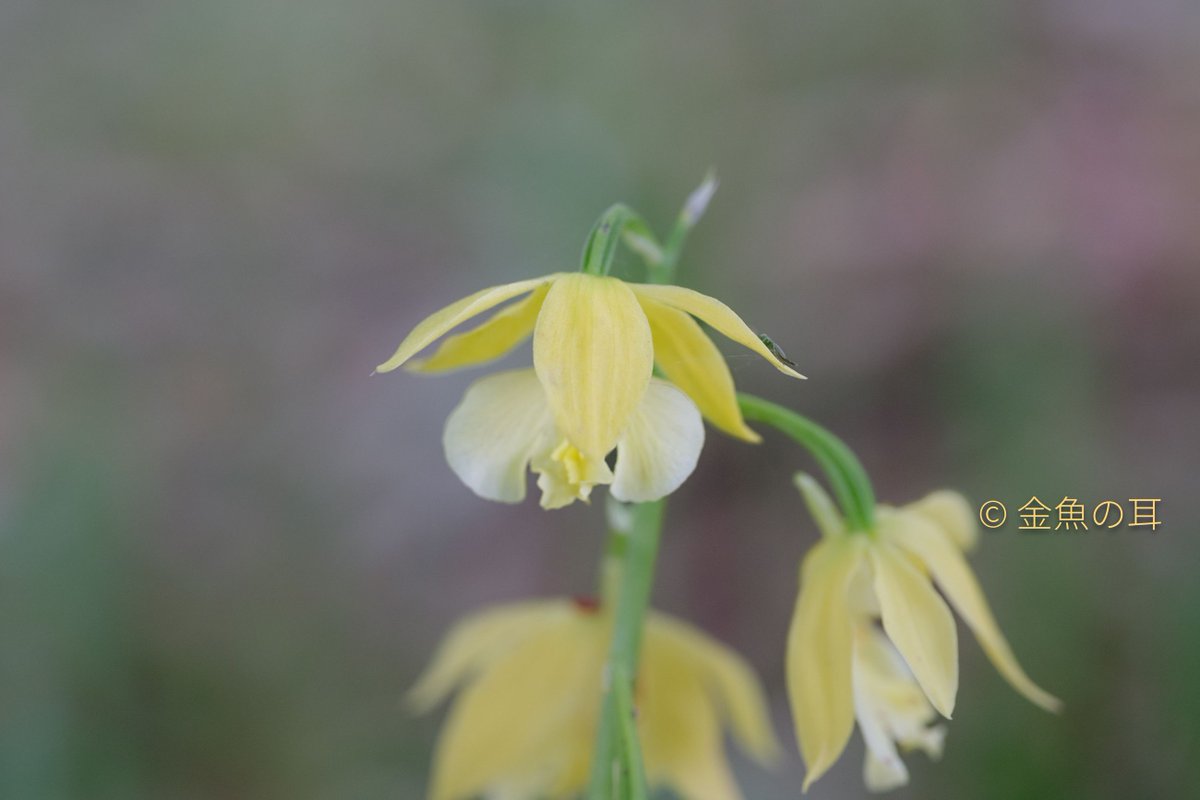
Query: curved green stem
x=845, y=472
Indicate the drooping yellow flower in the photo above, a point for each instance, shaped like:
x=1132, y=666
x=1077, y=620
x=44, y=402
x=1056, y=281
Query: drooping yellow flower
x=851, y=579
x=596, y=340
x=529, y=677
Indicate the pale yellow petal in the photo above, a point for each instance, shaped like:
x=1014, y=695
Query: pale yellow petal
x=820, y=643
x=690, y=360
x=493, y=433
x=891, y=709
x=474, y=641
x=437, y=325
x=918, y=623
x=951, y=512
x=660, y=447
x=702, y=779
x=679, y=724
x=715, y=313
x=883, y=768
x=505, y=330
x=729, y=681
x=578, y=743
x=593, y=354
x=938, y=551
x=510, y=727
x=889, y=684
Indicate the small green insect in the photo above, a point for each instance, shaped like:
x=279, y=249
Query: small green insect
x=776, y=350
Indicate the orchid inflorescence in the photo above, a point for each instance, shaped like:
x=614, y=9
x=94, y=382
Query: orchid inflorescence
x=561, y=698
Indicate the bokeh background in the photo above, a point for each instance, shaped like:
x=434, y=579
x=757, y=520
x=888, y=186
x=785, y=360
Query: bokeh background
x=226, y=550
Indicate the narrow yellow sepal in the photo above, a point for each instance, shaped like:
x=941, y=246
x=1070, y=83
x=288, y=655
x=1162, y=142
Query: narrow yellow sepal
x=729, y=681
x=473, y=642
x=938, y=550
x=819, y=650
x=720, y=316
x=692, y=362
x=505, y=330
x=441, y=322
x=918, y=622
x=951, y=512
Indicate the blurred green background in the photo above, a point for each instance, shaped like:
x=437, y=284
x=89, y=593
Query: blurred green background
x=225, y=550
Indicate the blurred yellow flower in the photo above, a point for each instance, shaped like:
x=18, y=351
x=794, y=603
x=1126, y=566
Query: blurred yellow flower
x=849, y=580
x=596, y=340
x=529, y=681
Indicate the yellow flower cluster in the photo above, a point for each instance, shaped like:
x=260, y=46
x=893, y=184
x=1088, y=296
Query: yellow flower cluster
x=871, y=639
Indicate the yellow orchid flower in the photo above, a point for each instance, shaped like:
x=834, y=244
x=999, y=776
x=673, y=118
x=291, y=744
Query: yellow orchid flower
x=529, y=679
x=850, y=579
x=596, y=340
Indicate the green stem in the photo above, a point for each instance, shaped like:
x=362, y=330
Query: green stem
x=663, y=270
x=847, y=478
x=601, y=245
x=633, y=548
x=631, y=747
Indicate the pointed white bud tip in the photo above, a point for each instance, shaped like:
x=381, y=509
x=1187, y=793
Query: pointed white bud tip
x=697, y=201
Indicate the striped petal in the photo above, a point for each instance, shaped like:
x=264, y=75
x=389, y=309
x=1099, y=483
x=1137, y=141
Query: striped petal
x=692, y=362
x=505, y=330
x=660, y=447
x=505, y=730
x=819, y=649
x=475, y=641
x=498, y=427
x=917, y=621
x=440, y=323
x=728, y=679
x=593, y=354
x=680, y=724
x=715, y=313
x=938, y=550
